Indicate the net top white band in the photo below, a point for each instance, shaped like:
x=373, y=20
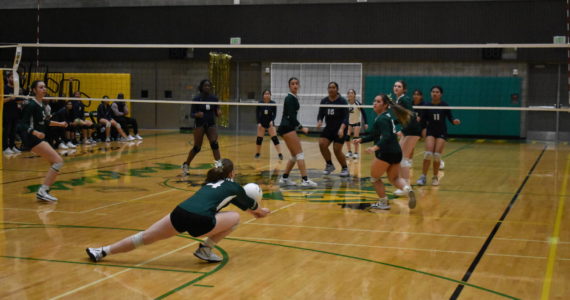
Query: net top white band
x=293, y=46
x=188, y=102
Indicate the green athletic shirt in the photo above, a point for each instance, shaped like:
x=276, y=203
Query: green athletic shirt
x=383, y=134
x=33, y=117
x=290, y=108
x=212, y=197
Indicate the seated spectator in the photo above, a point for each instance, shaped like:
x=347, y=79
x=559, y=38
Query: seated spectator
x=86, y=126
x=120, y=112
x=105, y=118
x=61, y=135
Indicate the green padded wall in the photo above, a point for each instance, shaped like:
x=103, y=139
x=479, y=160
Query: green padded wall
x=462, y=91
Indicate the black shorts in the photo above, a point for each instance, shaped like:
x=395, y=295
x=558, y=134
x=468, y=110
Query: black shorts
x=355, y=124
x=29, y=140
x=204, y=125
x=332, y=135
x=196, y=225
x=284, y=130
x=391, y=158
x=265, y=125
x=437, y=133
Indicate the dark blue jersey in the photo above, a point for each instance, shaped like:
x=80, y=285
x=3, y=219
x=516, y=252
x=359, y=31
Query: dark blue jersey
x=434, y=119
x=334, y=116
x=266, y=114
x=209, y=110
x=78, y=109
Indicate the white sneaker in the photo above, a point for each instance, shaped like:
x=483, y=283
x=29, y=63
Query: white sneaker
x=329, y=169
x=8, y=151
x=399, y=192
x=205, y=253
x=382, y=204
x=348, y=155
x=435, y=181
x=16, y=150
x=92, y=141
x=62, y=146
x=130, y=138
x=138, y=137
x=286, y=181
x=344, y=172
x=355, y=156
x=107, y=140
x=44, y=195
x=441, y=165
x=308, y=183
x=421, y=180
x=95, y=254
x=70, y=145
x=185, y=169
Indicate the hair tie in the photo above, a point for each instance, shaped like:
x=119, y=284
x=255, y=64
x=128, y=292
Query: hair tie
x=218, y=164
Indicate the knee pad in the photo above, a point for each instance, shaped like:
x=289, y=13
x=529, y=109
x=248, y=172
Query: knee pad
x=406, y=163
x=137, y=239
x=428, y=155
x=259, y=140
x=293, y=159
x=118, y=125
x=437, y=156
x=300, y=156
x=57, y=166
x=372, y=179
x=275, y=140
x=108, y=124
x=214, y=145
x=196, y=149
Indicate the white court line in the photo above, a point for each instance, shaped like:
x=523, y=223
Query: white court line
x=390, y=247
x=119, y=273
x=280, y=208
x=35, y=210
x=135, y=199
x=404, y=232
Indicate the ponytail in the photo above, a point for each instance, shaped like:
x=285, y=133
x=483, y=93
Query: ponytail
x=220, y=171
x=403, y=115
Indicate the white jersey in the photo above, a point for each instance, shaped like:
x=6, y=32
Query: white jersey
x=354, y=113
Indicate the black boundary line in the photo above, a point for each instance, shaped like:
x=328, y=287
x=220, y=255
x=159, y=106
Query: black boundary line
x=477, y=259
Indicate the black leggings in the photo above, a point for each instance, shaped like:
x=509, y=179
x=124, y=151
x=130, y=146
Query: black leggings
x=126, y=121
x=9, y=133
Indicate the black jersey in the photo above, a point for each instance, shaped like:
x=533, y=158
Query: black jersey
x=334, y=116
x=209, y=110
x=212, y=197
x=33, y=117
x=78, y=109
x=265, y=114
x=63, y=115
x=104, y=112
x=434, y=119
x=289, y=119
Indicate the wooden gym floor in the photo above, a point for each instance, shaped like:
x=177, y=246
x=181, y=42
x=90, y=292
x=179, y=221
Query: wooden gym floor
x=495, y=228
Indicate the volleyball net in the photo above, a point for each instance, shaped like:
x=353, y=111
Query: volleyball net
x=496, y=90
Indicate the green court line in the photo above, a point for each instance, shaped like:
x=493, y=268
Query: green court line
x=225, y=256
x=224, y=261
x=203, y=285
x=97, y=264
x=458, y=149
x=376, y=262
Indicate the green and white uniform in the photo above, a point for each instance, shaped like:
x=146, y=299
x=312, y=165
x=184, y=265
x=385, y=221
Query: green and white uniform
x=383, y=133
x=197, y=214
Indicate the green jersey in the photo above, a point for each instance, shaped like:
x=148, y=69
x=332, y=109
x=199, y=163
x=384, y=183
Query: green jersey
x=212, y=197
x=383, y=133
x=290, y=108
x=33, y=117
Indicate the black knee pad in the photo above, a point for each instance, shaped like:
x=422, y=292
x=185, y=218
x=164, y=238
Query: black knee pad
x=214, y=145
x=196, y=149
x=275, y=140
x=259, y=140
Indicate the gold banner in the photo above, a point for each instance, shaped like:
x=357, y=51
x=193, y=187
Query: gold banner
x=219, y=72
